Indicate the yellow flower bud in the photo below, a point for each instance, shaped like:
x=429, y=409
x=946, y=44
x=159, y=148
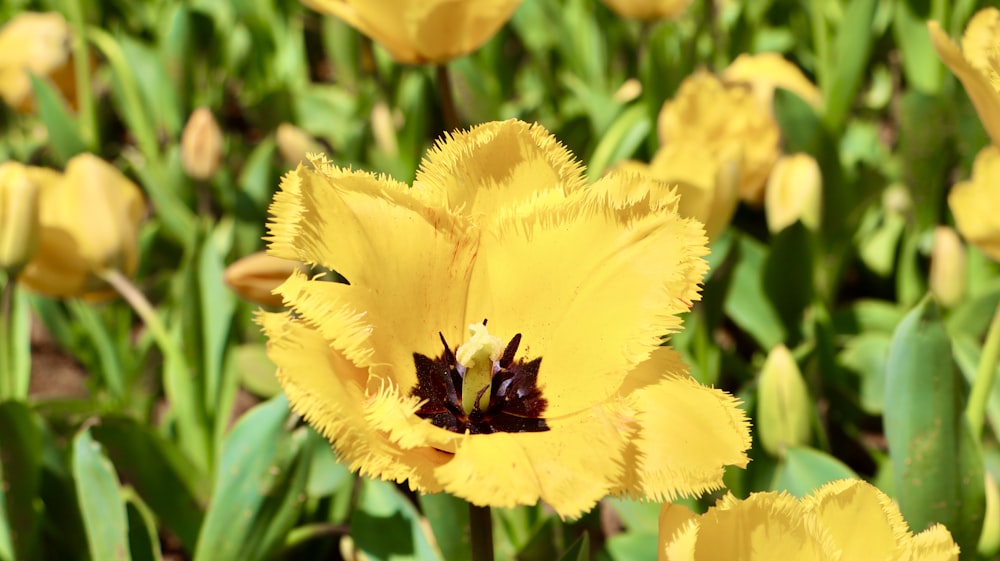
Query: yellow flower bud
x=989, y=539
x=706, y=111
x=201, y=145
x=947, y=275
x=90, y=222
x=294, y=144
x=255, y=277
x=421, y=31
x=783, y=406
x=794, y=193
x=648, y=9
x=39, y=44
x=18, y=217
x=384, y=129
x=765, y=72
x=974, y=203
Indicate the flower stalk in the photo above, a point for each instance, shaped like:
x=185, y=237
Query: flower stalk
x=443, y=82
x=481, y=532
x=975, y=411
x=8, y=383
x=81, y=69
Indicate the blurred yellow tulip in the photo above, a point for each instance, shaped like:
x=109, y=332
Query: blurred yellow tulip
x=201, y=145
x=648, y=9
x=423, y=31
x=90, y=222
x=35, y=43
x=794, y=193
x=976, y=64
x=708, y=183
x=255, y=277
x=975, y=202
x=18, y=217
x=784, y=409
x=294, y=144
x=705, y=111
x=765, y=72
x=947, y=274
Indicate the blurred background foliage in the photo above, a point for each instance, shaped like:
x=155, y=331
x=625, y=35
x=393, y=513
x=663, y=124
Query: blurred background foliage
x=172, y=441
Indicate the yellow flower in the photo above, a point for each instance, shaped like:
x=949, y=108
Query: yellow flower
x=201, y=145
x=947, y=275
x=256, y=276
x=794, y=193
x=35, y=43
x=708, y=112
x=974, y=203
x=421, y=31
x=845, y=519
x=90, y=221
x=648, y=9
x=499, y=338
x=18, y=217
x=976, y=64
x=766, y=71
x=784, y=410
x=707, y=183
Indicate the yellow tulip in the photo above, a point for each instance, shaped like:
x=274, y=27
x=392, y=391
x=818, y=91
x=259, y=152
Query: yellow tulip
x=766, y=71
x=708, y=112
x=974, y=203
x=648, y=9
x=707, y=183
x=90, y=222
x=794, y=193
x=784, y=410
x=976, y=64
x=947, y=274
x=18, y=217
x=843, y=520
x=423, y=31
x=256, y=276
x=295, y=144
x=35, y=43
x=201, y=145
x=502, y=322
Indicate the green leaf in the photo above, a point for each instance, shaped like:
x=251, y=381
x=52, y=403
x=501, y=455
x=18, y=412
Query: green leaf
x=632, y=547
x=865, y=355
x=788, y=277
x=621, y=140
x=804, y=470
x=144, y=541
x=20, y=479
x=747, y=303
x=218, y=304
x=64, y=135
x=937, y=466
x=853, y=47
x=161, y=475
x=917, y=55
x=449, y=518
x=100, y=499
x=579, y=550
x=637, y=516
x=386, y=526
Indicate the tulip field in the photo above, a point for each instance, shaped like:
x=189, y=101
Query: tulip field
x=498, y=280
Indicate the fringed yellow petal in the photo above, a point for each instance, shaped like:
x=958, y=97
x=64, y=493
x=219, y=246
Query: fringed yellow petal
x=560, y=278
x=974, y=203
x=408, y=265
x=570, y=467
x=498, y=165
x=330, y=392
x=766, y=71
x=984, y=95
x=933, y=544
x=686, y=434
x=394, y=414
x=679, y=536
x=863, y=521
x=764, y=527
x=981, y=42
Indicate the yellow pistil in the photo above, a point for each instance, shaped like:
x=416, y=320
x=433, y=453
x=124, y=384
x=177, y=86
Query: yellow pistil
x=478, y=355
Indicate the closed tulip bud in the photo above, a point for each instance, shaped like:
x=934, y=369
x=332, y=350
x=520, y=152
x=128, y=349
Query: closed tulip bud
x=294, y=144
x=39, y=44
x=783, y=410
x=947, y=276
x=18, y=217
x=794, y=193
x=255, y=277
x=201, y=145
x=90, y=221
x=648, y=10
x=384, y=129
x=423, y=31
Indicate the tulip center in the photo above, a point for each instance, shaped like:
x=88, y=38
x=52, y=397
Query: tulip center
x=480, y=388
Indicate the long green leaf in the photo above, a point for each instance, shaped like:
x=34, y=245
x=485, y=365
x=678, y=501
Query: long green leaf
x=20, y=478
x=101, y=501
x=64, y=136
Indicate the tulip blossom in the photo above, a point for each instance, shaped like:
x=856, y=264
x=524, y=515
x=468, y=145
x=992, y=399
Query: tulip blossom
x=35, y=43
x=648, y=9
x=499, y=334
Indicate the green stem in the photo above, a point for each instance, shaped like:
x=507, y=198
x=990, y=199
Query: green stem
x=81, y=70
x=7, y=374
x=448, y=110
x=302, y=534
x=821, y=39
x=481, y=532
x=975, y=411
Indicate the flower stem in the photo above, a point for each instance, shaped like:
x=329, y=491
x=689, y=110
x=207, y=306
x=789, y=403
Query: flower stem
x=7, y=374
x=481, y=532
x=975, y=411
x=81, y=72
x=443, y=79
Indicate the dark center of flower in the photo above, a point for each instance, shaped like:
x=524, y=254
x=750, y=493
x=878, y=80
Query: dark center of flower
x=513, y=402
